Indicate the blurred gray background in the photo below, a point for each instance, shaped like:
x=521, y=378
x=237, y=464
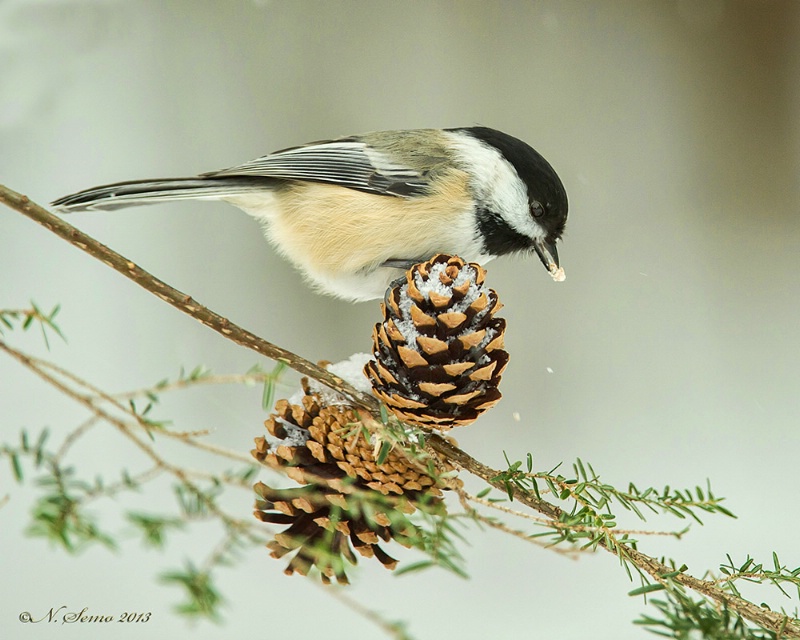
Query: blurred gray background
x=669, y=355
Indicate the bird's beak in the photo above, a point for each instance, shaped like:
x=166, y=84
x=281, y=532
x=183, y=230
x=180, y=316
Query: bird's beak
x=548, y=254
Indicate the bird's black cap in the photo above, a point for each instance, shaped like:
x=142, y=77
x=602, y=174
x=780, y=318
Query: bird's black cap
x=547, y=202
x=544, y=185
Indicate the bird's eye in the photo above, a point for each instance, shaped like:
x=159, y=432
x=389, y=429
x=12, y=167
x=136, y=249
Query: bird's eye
x=537, y=209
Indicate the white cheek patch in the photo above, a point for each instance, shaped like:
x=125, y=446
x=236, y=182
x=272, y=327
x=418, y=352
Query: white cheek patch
x=495, y=182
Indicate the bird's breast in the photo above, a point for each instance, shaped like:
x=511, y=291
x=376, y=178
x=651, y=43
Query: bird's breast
x=339, y=237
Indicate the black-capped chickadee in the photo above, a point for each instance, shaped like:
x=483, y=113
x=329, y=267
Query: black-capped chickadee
x=351, y=212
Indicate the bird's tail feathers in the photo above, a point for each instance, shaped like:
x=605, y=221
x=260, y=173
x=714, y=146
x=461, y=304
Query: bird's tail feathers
x=137, y=192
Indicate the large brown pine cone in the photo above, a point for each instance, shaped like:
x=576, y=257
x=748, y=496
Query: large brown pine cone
x=438, y=352
x=328, y=449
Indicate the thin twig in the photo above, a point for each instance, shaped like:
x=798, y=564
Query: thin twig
x=73, y=436
x=227, y=543
x=215, y=449
x=140, y=478
x=41, y=367
x=15, y=313
x=92, y=389
x=231, y=378
x=472, y=512
x=562, y=525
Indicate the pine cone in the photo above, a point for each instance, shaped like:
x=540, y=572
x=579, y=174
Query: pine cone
x=438, y=351
x=328, y=449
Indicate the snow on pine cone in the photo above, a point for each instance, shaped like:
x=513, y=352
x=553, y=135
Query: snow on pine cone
x=327, y=449
x=438, y=352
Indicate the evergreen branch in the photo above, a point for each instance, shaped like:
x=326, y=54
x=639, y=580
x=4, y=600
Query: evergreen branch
x=153, y=527
x=683, y=617
x=493, y=504
x=203, y=599
x=586, y=488
x=179, y=473
x=25, y=318
x=59, y=516
x=658, y=571
x=46, y=371
x=752, y=571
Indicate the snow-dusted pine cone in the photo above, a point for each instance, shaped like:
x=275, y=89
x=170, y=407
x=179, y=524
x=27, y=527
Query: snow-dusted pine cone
x=438, y=352
x=328, y=449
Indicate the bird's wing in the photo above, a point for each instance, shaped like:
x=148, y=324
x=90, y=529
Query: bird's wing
x=349, y=162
